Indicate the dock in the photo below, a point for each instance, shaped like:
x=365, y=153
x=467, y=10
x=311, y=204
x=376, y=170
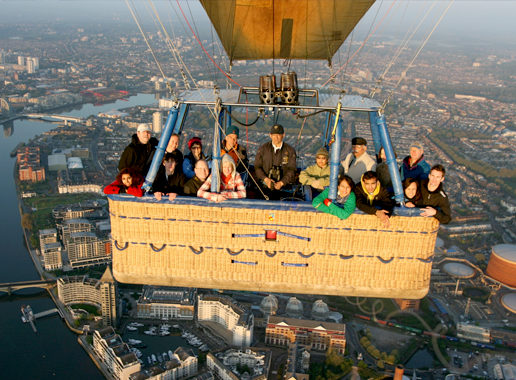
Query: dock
x=15, y=150
x=30, y=317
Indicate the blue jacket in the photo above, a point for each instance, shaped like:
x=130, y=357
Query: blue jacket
x=420, y=171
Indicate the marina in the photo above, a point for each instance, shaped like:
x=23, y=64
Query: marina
x=30, y=317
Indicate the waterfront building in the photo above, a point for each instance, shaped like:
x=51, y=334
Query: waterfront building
x=223, y=363
x=475, y=333
x=182, y=365
x=86, y=249
x=118, y=359
x=29, y=164
x=21, y=60
x=225, y=312
x=51, y=253
x=47, y=236
x=317, y=335
x=108, y=296
x=100, y=293
x=70, y=226
x=166, y=303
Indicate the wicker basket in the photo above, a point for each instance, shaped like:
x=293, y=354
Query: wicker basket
x=222, y=247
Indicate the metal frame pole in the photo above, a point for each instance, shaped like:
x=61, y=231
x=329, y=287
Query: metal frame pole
x=215, y=163
x=335, y=161
x=160, y=149
x=391, y=160
x=374, y=131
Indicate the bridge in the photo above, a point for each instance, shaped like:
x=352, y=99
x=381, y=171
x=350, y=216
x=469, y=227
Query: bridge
x=49, y=312
x=49, y=116
x=13, y=286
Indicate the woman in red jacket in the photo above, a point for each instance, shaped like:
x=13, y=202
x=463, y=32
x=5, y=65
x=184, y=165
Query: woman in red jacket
x=127, y=181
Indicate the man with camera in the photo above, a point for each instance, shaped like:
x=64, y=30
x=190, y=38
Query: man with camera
x=275, y=164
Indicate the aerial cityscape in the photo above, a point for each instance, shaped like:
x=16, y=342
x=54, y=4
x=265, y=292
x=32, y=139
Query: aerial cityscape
x=121, y=287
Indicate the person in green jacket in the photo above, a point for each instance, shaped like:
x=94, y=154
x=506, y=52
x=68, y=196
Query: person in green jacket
x=345, y=203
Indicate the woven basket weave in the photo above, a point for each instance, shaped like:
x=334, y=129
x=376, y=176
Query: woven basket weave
x=315, y=253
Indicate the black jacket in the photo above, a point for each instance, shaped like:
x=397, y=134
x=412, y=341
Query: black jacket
x=436, y=199
x=174, y=184
x=382, y=201
x=266, y=159
x=137, y=155
x=192, y=186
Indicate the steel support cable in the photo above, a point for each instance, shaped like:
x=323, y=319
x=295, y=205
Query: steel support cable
x=181, y=9
x=171, y=45
x=361, y=46
x=400, y=49
x=243, y=124
x=369, y=34
x=382, y=108
x=149, y=45
x=197, y=34
x=364, y=56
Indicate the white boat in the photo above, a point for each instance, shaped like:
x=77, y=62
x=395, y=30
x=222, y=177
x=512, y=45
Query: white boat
x=175, y=326
x=131, y=328
x=170, y=355
x=165, y=357
x=160, y=359
x=135, y=324
x=149, y=360
x=134, y=341
x=153, y=359
x=165, y=326
x=164, y=333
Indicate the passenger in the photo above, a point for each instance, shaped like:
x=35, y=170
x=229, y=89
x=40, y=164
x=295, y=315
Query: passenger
x=318, y=175
x=169, y=181
x=172, y=147
x=382, y=169
x=415, y=166
x=231, y=185
x=433, y=196
x=196, y=154
x=128, y=181
x=345, y=203
x=358, y=161
x=275, y=164
x=373, y=199
x=202, y=171
x=138, y=154
x=412, y=190
x=237, y=152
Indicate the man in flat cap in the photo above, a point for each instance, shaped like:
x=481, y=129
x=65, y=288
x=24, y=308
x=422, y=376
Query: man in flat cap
x=275, y=164
x=138, y=154
x=358, y=161
x=414, y=165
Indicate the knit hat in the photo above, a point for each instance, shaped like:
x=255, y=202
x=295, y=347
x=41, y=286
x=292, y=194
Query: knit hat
x=233, y=129
x=358, y=141
x=322, y=152
x=194, y=140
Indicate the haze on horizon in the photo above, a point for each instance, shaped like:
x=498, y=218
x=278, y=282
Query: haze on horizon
x=465, y=18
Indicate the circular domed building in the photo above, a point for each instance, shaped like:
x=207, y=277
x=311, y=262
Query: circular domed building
x=269, y=305
x=502, y=264
x=320, y=311
x=458, y=270
x=509, y=302
x=294, y=308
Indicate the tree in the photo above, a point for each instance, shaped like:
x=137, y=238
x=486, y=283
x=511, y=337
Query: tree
x=27, y=221
x=480, y=257
x=380, y=364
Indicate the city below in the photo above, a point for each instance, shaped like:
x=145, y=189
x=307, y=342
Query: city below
x=86, y=88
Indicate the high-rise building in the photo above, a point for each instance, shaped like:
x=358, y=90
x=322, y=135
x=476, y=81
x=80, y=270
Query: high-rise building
x=108, y=291
x=31, y=69
x=86, y=249
x=36, y=62
x=166, y=303
x=21, y=60
x=51, y=253
x=47, y=236
x=2, y=57
x=73, y=225
x=157, y=122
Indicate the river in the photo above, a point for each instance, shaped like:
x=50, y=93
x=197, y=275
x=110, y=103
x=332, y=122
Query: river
x=52, y=353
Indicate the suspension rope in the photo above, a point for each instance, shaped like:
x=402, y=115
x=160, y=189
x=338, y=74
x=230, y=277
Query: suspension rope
x=382, y=108
x=400, y=49
x=136, y=19
x=360, y=48
x=209, y=56
x=244, y=124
